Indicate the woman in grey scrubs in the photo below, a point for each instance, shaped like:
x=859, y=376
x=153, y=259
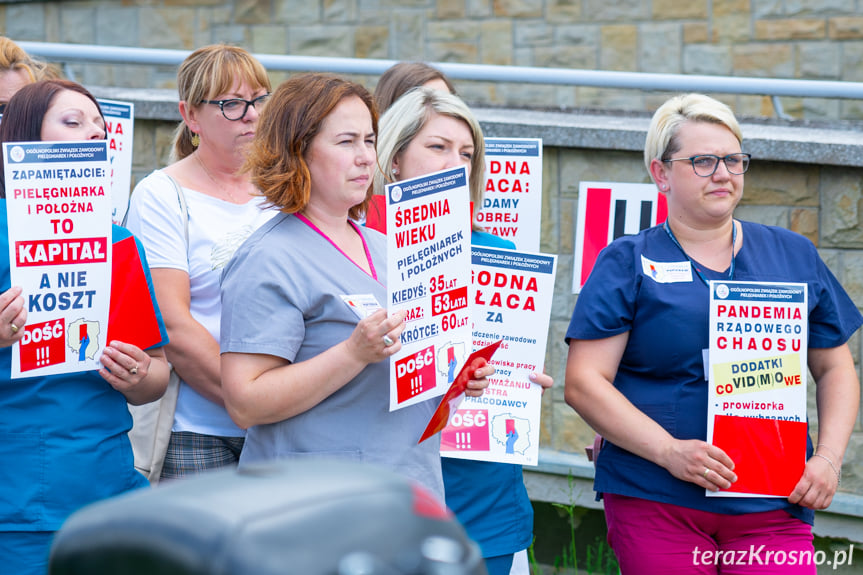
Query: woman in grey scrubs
x=304, y=371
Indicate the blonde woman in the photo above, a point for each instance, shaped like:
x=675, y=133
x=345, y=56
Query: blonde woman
x=424, y=131
x=636, y=369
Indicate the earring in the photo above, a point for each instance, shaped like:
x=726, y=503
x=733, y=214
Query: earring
x=395, y=171
x=196, y=140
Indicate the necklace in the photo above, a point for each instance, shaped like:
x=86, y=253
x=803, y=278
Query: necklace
x=212, y=179
x=693, y=263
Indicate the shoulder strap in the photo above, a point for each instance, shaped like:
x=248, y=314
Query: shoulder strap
x=184, y=209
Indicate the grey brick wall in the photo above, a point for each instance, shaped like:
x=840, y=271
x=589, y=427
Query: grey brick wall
x=815, y=39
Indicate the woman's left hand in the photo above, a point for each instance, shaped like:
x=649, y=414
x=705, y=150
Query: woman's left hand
x=816, y=488
x=837, y=397
x=476, y=386
x=124, y=366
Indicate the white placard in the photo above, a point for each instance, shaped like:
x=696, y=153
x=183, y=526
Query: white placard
x=120, y=127
x=756, y=408
x=58, y=206
x=512, y=208
x=606, y=211
x=428, y=258
x=511, y=300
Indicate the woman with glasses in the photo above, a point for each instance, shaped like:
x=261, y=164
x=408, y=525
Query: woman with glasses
x=191, y=216
x=637, y=363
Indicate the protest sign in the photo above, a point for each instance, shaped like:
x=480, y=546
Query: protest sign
x=58, y=205
x=606, y=211
x=756, y=409
x=512, y=207
x=511, y=301
x=428, y=258
x=120, y=127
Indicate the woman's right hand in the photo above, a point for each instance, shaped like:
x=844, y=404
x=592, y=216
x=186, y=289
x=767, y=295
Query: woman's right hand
x=700, y=463
x=590, y=370
x=370, y=340
x=261, y=388
x=13, y=316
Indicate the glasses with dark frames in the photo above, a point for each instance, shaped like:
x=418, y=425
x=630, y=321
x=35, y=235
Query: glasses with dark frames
x=234, y=109
x=705, y=165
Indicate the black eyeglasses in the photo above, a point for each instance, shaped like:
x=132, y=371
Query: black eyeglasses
x=705, y=165
x=2, y=108
x=235, y=108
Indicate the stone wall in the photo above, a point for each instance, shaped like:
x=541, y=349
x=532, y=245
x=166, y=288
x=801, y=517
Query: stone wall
x=812, y=39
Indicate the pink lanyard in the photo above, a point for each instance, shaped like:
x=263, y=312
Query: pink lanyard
x=309, y=223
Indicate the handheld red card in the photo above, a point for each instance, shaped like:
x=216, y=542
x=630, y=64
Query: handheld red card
x=451, y=399
x=132, y=318
x=769, y=454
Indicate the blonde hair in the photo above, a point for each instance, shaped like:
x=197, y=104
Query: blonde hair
x=206, y=73
x=661, y=142
x=13, y=57
x=403, y=121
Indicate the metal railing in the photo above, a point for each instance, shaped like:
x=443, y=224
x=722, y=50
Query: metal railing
x=773, y=87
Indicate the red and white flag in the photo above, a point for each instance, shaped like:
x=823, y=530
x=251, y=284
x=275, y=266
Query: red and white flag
x=607, y=211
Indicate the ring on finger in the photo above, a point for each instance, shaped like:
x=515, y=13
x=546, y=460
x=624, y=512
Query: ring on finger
x=388, y=341
x=14, y=328
x=706, y=472
x=134, y=370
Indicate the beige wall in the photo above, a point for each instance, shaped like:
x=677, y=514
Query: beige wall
x=812, y=39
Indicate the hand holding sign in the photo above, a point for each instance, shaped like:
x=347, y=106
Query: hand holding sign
x=13, y=316
x=376, y=336
x=60, y=236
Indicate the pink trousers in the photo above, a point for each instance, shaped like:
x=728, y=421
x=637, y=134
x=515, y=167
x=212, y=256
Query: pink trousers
x=663, y=539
